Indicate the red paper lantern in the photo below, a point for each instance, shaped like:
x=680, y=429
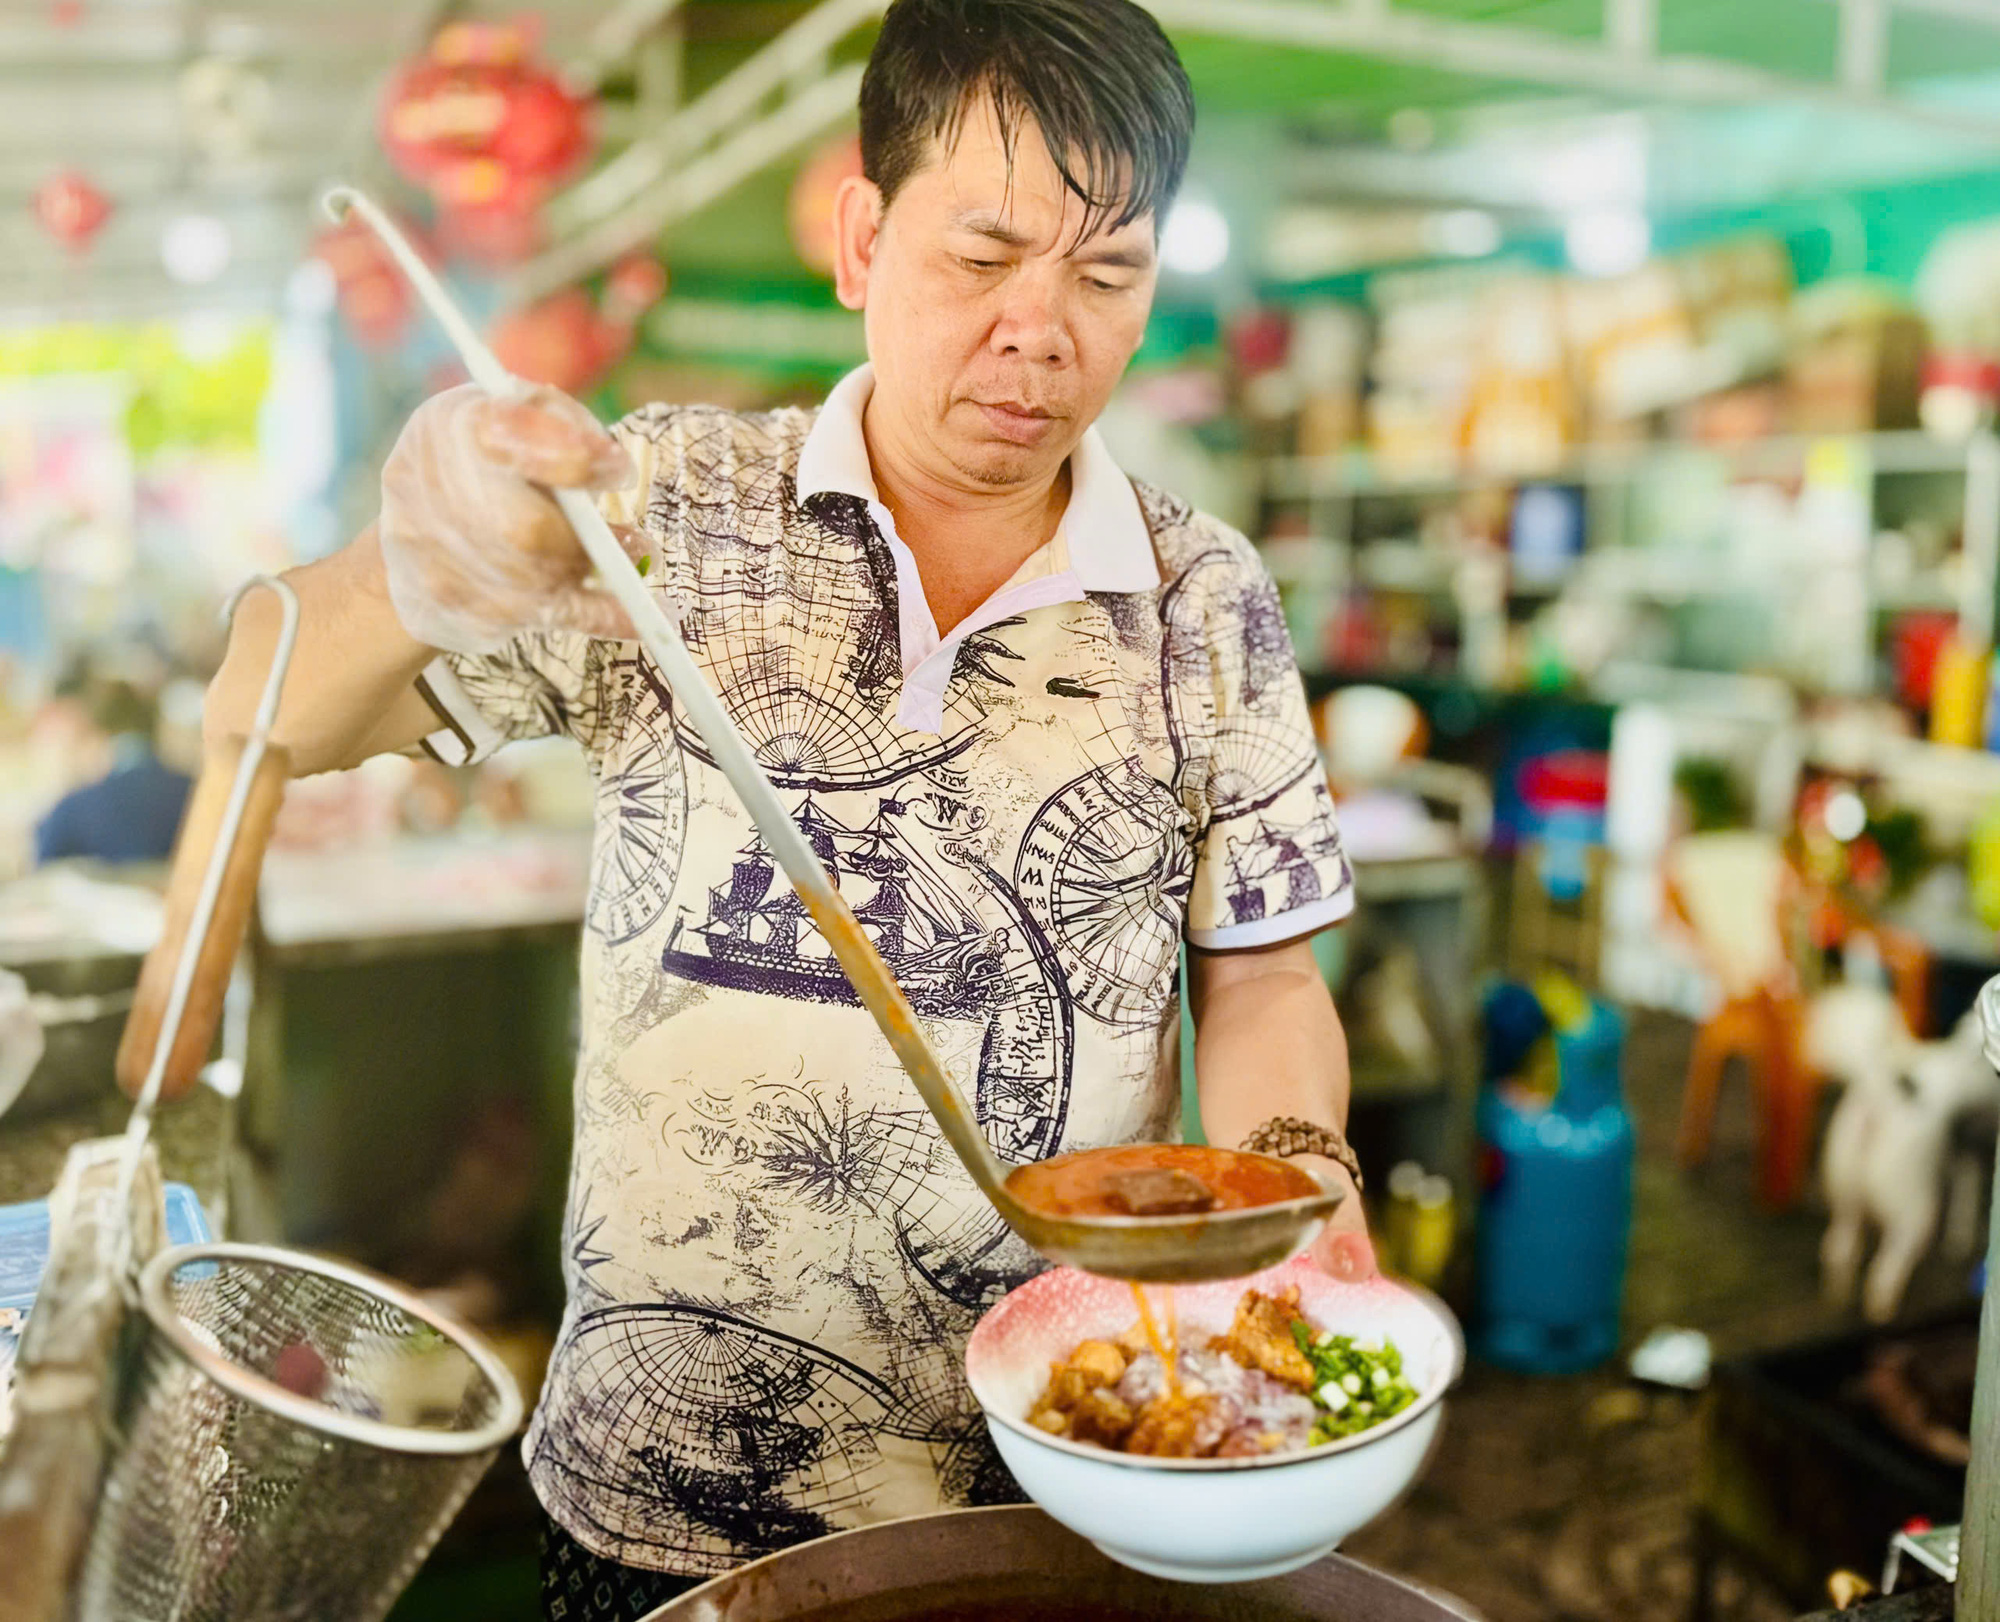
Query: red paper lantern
x=570, y=342
x=633, y=286
x=810, y=214
x=564, y=340
x=500, y=235
x=374, y=297
x=71, y=210
x=1259, y=341
x=488, y=131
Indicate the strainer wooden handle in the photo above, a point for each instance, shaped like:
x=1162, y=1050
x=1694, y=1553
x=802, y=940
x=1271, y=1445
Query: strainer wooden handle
x=193, y=851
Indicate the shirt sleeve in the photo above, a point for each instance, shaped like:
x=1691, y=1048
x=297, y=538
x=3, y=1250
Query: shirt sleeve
x=1269, y=866
x=53, y=833
x=544, y=683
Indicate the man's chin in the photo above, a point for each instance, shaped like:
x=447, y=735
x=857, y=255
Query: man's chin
x=998, y=465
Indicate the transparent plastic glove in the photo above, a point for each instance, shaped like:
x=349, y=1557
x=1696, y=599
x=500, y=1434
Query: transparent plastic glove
x=475, y=548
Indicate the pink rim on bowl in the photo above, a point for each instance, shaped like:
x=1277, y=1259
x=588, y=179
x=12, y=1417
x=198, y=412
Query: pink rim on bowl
x=1060, y=1308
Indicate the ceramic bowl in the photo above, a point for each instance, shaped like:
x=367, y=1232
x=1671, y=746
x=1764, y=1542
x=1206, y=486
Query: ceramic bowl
x=1210, y=1520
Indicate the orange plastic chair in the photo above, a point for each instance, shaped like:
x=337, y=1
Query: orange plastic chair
x=1738, y=896
x=1747, y=907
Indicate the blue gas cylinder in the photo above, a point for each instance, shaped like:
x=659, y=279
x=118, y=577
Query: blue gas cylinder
x=1555, y=1208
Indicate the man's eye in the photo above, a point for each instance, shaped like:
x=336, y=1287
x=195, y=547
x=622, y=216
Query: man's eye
x=979, y=264
x=1103, y=286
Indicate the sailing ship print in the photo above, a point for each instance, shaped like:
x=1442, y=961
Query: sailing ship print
x=758, y=936
x=1276, y=870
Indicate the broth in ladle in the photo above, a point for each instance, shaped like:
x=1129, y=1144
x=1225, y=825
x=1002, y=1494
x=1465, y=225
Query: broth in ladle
x=1157, y=1179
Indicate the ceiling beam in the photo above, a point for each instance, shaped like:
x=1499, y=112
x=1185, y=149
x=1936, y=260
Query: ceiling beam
x=616, y=39
x=793, y=57
x=1489, y=51
x=1979, y=13
x=805, y=114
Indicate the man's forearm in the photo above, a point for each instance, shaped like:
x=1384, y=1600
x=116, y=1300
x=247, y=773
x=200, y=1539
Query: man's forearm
x=350, y=694
x=1267, y=1043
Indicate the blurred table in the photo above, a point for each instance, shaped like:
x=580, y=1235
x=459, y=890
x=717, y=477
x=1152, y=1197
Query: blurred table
x=405, y=992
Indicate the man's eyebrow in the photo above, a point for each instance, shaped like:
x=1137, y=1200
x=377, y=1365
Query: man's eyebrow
x=985, y=225
x=982, y=224
x=1120, y=258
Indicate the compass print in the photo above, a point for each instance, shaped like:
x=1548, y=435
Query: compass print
x=1105, y=872
x=702, y=1426
x=642, y=818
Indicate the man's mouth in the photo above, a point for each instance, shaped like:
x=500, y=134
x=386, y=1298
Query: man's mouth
x=1016, y=419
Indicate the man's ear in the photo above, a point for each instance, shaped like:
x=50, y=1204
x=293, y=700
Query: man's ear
x=857, y=227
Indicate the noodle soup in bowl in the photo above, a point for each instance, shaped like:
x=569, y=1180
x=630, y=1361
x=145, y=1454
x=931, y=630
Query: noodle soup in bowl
x=1212, y=1519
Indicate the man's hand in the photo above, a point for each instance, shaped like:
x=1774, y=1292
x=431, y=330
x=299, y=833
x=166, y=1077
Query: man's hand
x=474, y=547
x=1343, y=1248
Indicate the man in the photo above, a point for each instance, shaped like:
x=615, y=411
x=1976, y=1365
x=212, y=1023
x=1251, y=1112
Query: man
x=1041, y=727
x=131, y=813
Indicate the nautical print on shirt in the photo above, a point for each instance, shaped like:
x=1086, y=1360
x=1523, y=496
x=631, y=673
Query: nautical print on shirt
x=773, y=1259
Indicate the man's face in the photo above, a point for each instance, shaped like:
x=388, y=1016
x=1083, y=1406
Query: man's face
x=997, y=337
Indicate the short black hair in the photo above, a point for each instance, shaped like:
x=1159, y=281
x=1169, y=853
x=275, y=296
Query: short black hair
x=1100, y=80
x=119, y=708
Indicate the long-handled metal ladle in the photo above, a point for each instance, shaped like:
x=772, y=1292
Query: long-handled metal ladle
x=1165, y=1249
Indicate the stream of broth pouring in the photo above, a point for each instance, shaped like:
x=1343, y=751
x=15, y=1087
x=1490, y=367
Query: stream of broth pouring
x=1165, y=1346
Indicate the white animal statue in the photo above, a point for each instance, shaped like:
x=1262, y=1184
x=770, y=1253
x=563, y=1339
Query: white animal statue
x=1888, y=1162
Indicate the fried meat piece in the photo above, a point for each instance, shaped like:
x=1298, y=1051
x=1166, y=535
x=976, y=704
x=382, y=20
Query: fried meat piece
x=1187, y=1427
x=1094, y=1365
x=1102, y=1419
x=1261, y=1338
x=1100, y=1361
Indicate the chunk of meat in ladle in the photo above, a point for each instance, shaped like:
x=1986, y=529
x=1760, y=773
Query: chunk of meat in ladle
x=1166, y=1191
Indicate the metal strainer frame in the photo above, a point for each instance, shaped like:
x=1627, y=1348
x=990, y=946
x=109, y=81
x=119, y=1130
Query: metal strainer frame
x=230, y=1498
x=162, y=1318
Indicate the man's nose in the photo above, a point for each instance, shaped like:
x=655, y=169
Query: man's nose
x=1034, y=324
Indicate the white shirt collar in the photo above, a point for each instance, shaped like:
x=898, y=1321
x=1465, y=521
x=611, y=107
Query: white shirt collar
x=1109, y=545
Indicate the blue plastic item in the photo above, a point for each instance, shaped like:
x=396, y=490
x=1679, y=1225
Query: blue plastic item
x=1515, y=1021
x=24, y=1241
x=1555, y=1211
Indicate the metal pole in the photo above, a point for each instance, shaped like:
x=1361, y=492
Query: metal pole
x=1979, y=1533
x=1978, y=1598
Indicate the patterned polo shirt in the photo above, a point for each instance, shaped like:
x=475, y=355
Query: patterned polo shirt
x=773, y=1260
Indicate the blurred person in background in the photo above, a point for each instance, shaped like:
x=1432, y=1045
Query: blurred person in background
x=1044, y=724
x=132, y=812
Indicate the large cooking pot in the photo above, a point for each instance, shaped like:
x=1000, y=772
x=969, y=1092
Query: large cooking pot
x=1017, y=1565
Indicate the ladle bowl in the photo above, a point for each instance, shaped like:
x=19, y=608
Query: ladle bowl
x=1175, y=1249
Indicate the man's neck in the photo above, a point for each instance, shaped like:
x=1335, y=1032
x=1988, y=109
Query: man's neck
x=967, y=541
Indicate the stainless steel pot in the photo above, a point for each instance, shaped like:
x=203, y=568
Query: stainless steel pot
x=991, y=1564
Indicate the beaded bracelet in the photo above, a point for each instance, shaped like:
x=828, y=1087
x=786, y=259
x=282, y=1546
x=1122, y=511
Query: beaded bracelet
x=1287, y=1135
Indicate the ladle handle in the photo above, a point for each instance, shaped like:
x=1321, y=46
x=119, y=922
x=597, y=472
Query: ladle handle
x=857, y=956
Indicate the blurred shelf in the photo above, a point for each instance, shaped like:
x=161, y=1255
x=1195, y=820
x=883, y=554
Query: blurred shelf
x=1416, y=878
x=1354, y=476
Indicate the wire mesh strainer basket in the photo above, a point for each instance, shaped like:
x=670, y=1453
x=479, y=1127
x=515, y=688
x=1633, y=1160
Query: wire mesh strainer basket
x=296, y=1436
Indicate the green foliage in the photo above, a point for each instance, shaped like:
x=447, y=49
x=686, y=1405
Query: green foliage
x=178, y=400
